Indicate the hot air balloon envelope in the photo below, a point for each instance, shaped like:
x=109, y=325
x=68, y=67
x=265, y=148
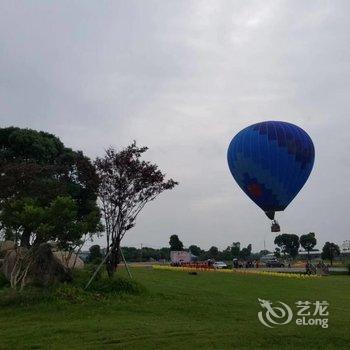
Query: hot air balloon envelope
x=271, y=162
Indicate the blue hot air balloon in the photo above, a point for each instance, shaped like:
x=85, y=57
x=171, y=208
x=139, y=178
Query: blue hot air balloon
x=271, y=162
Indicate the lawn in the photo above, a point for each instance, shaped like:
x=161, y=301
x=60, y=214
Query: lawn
x=182, y=311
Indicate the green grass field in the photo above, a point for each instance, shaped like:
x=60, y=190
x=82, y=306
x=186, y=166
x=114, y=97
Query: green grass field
x=182, y=311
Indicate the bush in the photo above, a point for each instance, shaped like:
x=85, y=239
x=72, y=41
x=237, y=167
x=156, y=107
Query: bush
x=98, y=290
x=105, y=285
x=117, y=285
x=81, y=277
x=71, y=294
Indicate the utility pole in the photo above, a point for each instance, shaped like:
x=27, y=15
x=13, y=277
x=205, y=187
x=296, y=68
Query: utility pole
x=141, y=253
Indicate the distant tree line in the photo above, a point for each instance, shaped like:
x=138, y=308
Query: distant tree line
x=287, y=245
x=146, y=253
x=133, y=254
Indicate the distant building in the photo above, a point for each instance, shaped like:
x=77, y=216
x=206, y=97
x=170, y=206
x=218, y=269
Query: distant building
x=267, y=257
x=180, y=256
x=314, y=254
x=345, y=247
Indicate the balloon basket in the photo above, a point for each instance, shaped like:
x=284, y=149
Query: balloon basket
x=275, y=227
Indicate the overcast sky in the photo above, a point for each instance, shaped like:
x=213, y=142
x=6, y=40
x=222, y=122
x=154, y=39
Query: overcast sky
x=183, y=77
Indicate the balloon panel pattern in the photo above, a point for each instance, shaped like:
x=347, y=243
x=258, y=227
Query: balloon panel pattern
x=271, y=161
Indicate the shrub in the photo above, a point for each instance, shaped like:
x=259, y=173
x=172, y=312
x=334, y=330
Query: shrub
x=117, y=285
x=71, y=294
x=98, y=290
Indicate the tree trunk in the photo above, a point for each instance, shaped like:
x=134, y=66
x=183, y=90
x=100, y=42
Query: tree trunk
x=113, y=259
x=25, y=239
x=38, y=241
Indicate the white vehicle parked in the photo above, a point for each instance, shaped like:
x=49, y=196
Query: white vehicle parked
x=219, y=265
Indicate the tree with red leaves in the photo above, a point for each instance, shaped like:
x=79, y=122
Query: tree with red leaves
x=127, y=184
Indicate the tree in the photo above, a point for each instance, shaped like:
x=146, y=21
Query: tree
x=245, y=253
x=277, y=253
x=195, y=250
x=264, y=252
x=213, y=252
x=47, y=191
x=330, y=251
x=131, y=253
x=164, y=253
x=127, y=184
x=175, y=243
x=95, y=255
x=289, y=244
x=249, y=247
x=235, y=249
x=226, y=254
x=308, y=242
